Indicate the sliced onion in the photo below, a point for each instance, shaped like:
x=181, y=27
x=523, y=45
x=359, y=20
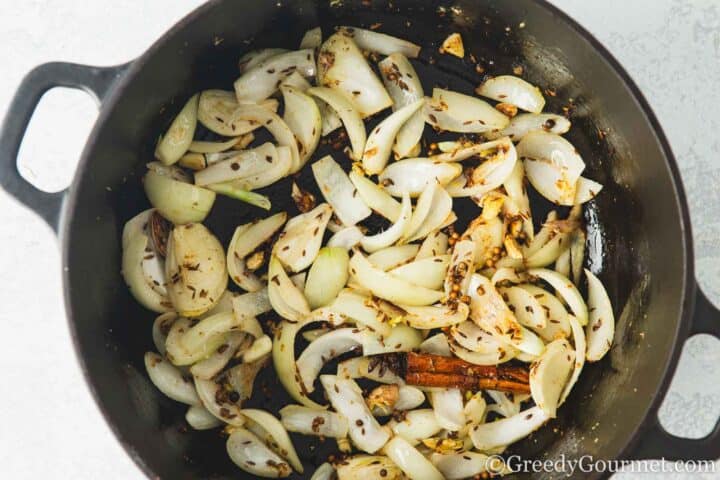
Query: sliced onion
x=322, y=350
x=339, y=191
x=346, y=238
x=169, y=379
x=435, y=243
x=600, y=329
x=384, y=239
x=327, y=276
x=199, y=418
x=213, y=147
x=274, y=434
x=416, y=426
x=366, y=367
x=375, y=197
x=389, y=287
x=455, y=112
x=487, y=235
x=161, y=327
x=586, y=190
x=310, y=421
x=403, y=85
x=349, y=115
x=380, y=142
x=135, y=249
x=179, y=354
x=579, y=359
x=488, y=309
x=525, y=123
x=528, y=310
x=177, y=201
x=286, y=299
x=402, y=338
x=491, y=173
x=422, y=209
x=577, y=255
x=515, y=187
x=462, y=266
x=271, y=173
x=251, y=59
x=312, y=38
x=428, y=272
x=503, y=353
x=324, y=472
x=217, y=360
x=380, y=42
x=195, y=269
x=366, y=467
x=232, y=191
x=392, y=257
x=238, y=165
x=513, y=90
x=439, y=212
x=259, y=349
x=342, y=67
x=475, y=409
x=225, y=411
x=471, y=337
x=364, y=310
x=408, y=398
x=456, y=466
x=302, y=115
x=427, y=318
x=178, y=137
x=410, y=461
x=251, y=305
x=217, y=108
x=448, y=407
x=245, y=240
x=562, y=264
x=549, y=374
x=249, y=453
x=262, y=80
x=566, y=290
x=507, y=430
x=298, y=82
x=330, y=119
x=302, y=237
x=346, y=397
x=413, y=175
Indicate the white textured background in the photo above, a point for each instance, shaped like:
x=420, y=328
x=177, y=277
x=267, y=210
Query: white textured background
x=49, y=425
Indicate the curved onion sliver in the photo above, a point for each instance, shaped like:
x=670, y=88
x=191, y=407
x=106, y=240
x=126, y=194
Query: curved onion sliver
x=249, y=453
x=327, y=276
x=346, y=397
x=133, y=272
x=440, y=210
x=410, y=461
x=286, y=299
x=349, y=115
x=600, y=329
x=259, y=349
x=503, y=353
x=427, y=318
x=515, y=187
x=525, y=123
x=422, y=210
x=255, y=57
x=435, y=243
x=549, y=252
x=302, y=115
x=310, y=421
x=365, y=367
x=169, y=379
x=179, y=354
x=195, y=268
x=456, y=466
x=455, y=112
x=471, y=337
x=403, y=85
x=528, y=310
x=408, y=398
x=312, y=38
x=487, y=234
x=380, y=42
x=199, y=146
x=382, y=240
x=389, y=287
x=380, y=142
x=365, y=467
x=199, y=418
x=462, y=266
x=330, y=119
x=322, y=350
x=346, y=238
x=364, y=310
x=489, y=310
x=513, y=90
x=507, y=430
x=216, y=111
x=274, y=434
x=557, y=325
x=261, y=81
x=413, y=175
x=580, y=353
x=324, y=472
x=177, y=201
x=246, y=239
x=448, y=407
x=342, y=67
x=339, y=191
x=392, y=257
x=298, y=82
x=161, y=327
x=586, y=190
x=416, y=426
x=226, y=411
x=549, y=374
x=577, y=255
x=566, y=290
x=217, y=360
x=375, y=197
x=491, y=173
x=271, y=173
x=179, y=135
x=302, y=237
x=428, y=272
x=250, y=305
x=402, y=338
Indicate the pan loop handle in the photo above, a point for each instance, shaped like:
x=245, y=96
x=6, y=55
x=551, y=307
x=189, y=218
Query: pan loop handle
x=96, y=81
x=656, y=442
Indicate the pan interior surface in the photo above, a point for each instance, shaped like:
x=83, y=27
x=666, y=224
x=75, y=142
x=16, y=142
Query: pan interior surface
x=635, y=229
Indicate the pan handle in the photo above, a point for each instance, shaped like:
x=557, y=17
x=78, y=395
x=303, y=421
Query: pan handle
x=656, y=442
x=96, y=81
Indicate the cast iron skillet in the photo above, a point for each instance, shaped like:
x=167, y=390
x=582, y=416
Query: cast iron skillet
x=639, y=230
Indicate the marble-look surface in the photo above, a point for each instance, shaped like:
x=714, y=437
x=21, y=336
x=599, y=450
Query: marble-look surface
x=49, y=425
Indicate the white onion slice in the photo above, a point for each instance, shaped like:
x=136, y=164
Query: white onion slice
x=586, y=190
x=456, y=466
x=440, y=211
x=428, y=272
x=528, y=310
x=389, y=287
x=310, y=421
x=448, y=407
x=298, y=82
x=249, y=453
x=579, y=360
x=262, y=80
x=507, y=430
x=346, y=238
x=169, y=379
x=549, y=374
x=255, y=57
x=134, y=253
x=364, y=310
x=199, y=418
x=557, y=325
x=375, y=197
x=517, y=193
x=216, y=111
x=455, y=112
x=245, y=240
x=380, y=42
x=251, y=305
x=348, y=113
x=302, y=116
x=491, y=173
x=324, y=472
x=562, y=264
x=227, y=412
x=327, y=276
x=435, y=243
x=488, y=309
x=409, y=398
x=577, y=255
x=179, y=354
x=566, y=290
x=410, y=461
x=380, y=142
x=274, y=434
x=342, y=67
x=503, y=353
x=161, y=327
x=177, y=201
x=179, y=135
x=213, y=364
x=413, y=175
x=366, y=467
x=339, y=191
x=382, y=240
x=198, y=146
x=259, y=349
x=427, y=318
x=422, y=210
x=402, y=338
x=416, y=426
x=330, y=119
x=275, y=168
x=525, y=123
x=471, y=337
x=302, y=237
x=346, y=397
x=324, y=349
x=199, y=336
x=403, y=85
x=600, y=329
x=286, y=299
x=487, y=234
x=462, y=266
x=392, y=257
x=549, y=252
x=312, y=38
x=365, y=367
x=513, y=90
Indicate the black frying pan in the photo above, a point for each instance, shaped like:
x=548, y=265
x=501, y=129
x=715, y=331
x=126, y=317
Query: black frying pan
x=639, y=230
